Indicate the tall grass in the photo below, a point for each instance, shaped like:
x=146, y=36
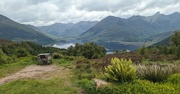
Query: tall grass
x=156, y=72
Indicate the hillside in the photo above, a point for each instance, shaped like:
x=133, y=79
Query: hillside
x=67, y=30
x=133, y=29
x=5, y=42
x=14, y=31
x=160, y=37
x=167, y=39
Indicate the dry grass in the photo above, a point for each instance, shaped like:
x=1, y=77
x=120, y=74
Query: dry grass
x=157, y=72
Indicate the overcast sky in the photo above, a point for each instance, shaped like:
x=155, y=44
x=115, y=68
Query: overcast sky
x=46, y=12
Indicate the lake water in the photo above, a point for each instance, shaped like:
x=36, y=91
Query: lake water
x=63, y=46
x=111, y=47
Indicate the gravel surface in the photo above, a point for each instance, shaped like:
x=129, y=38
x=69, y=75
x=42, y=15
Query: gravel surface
x=32, y=71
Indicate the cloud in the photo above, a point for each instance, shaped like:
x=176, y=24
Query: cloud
x=45, y=12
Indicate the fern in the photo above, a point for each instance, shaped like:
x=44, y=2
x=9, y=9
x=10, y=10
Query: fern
x=120, y=70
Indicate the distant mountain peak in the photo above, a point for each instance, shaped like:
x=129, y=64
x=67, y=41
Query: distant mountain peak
x=61, y=23
x=136, y=28
x=66, y=30
x=111, y=17
x=157, y=13
x=175, y=14
x=135, y=17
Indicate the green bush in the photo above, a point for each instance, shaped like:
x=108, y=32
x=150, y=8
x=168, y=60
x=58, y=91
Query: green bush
x=174, y=79
x=137, y=87
x=156, y=73
x=88, y=85
x=56, y=56
x=88, y=50
x=134, y=87
x=71, y=58
x=84, y=69
x=3, y=58
x=22, y=52
x=120, y=70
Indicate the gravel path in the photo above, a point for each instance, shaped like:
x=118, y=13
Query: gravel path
x=33, y=71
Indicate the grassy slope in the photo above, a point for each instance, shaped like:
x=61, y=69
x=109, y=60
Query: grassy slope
x=61, y=83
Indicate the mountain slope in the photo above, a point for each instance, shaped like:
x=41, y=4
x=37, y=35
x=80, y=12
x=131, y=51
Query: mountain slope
x=167, y=40
x=69, y=29
x=12, y=30
x=162, y=36
x=134, y=29
x=5, y=42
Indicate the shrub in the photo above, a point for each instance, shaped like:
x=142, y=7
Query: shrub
x=120, y=70
x=71, y=58
x=88, y=85
x=156, y=73
x=84, y=69
x=56, y=56
x=22, y=52
x=174, y=79
x=3, y=58
x=88, y=50
x=137, y=87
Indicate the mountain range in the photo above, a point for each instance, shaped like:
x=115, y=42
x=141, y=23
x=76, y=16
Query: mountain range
x=111, y=32
x=133, y=29
x=66, y=30
x=14, y=31
x=134, y=32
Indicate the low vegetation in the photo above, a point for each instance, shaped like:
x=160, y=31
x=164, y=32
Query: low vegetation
x=88, y=50
x=7, y=69
x=120, y=70
x=156, y=72
x=153, y=70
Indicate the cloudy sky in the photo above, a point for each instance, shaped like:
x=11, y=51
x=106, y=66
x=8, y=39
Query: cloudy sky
x=46, y=12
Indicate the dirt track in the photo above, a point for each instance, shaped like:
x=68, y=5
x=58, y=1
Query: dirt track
x=34, y=71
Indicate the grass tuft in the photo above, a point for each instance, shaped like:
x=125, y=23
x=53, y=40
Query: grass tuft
x=156, y=72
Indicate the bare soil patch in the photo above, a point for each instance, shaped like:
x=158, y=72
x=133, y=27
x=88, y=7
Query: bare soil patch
x=100, y=83
x=36, y=71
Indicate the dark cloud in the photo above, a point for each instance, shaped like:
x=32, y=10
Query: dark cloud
x=44, y=12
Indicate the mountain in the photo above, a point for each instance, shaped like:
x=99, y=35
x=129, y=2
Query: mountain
x=133, y=29
x=160, y=37
x=67, y=30
x=14, y=31
x=165, y=41
x=131, y=33
x=116, y=29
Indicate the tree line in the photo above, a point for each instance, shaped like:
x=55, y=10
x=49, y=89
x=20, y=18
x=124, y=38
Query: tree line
x=88, y=50
x=172, y=50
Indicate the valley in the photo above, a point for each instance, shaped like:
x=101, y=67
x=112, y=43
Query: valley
x=135, y=55
x=112, y=32
x=130, y=33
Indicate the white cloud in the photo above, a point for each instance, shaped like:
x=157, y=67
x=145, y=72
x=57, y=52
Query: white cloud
x=45, y=12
